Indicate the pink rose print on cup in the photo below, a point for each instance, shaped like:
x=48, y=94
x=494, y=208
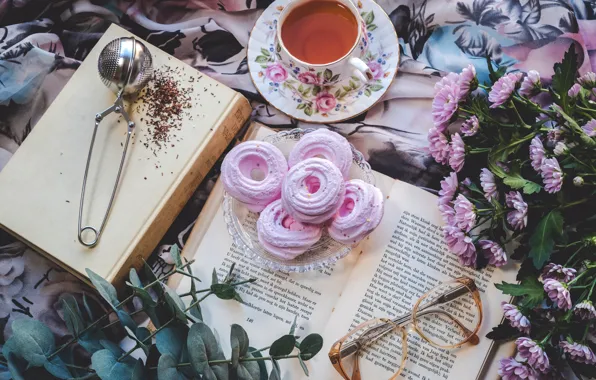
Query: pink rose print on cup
x=276, y=73
x=309, y=78
x=376, y=68
x=325, y=101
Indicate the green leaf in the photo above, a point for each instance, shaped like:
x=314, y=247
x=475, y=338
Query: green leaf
x=504, y=332
x=90, y=340
x=530, y=287
x=278, y=48
x=355, y=78
x=171, y=339
x=564, y=77
x=88, y=308
x=265, y=52
x=214, y=352
x=334, y=78
x=134, y=278
x=175, y=303
x=166, y=368
x=293, y=327
x=260, y=363
x=249, y=370
x=274, y=375
x=310, y=346
x=175, y=254
x=301, y=88
x=196, y=349
x=283, y=346
x=32, y=340
x=195, y=311
x=261, y=59
x=151, y=278
x=303, y=365
x=301, y=106
x=57, y=368
x=308, y=111
x=223, y=291
x=235, y=351
x=516, y=181
x=108, y=368
x=240, y=334
x=142, y=337
x=144, y=295
x=72, y=315
x=542, y=240
x=16, y=366
x=307, y=92
x=346, y=88
x=316, y=90
x=214, y=279
x=138, y=371
x=367, y=92
x=376, y=87
x=115, y=349
x=353, y=85
x=371, y=27
x=369, y=18
x=327, y=74
x=337, y=93
x=105, y=289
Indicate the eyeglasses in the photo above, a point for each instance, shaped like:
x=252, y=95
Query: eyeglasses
x=447, y=316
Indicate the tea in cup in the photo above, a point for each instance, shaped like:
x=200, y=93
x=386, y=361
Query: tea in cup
x=322, y=41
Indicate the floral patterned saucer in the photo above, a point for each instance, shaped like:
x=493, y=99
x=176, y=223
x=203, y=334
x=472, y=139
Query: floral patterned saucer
x=309, y=98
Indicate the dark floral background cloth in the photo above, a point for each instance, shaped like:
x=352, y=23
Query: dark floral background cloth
x=42, y=42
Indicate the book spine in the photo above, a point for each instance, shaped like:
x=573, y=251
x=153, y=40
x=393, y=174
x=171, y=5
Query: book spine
x=224, y=130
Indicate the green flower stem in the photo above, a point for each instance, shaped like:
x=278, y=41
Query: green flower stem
x=580, y=276
x=483, y=87
x=582, y=163
x=546, y=338
x=573, y=204
x=197, y=302
x=591, y=289
x=523, y=123
x=573, y=256
x=479, y=150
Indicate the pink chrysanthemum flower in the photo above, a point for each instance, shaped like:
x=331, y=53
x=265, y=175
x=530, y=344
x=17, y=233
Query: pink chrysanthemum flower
x=590, y=128
x=458, y=152
x=531, y=84
x=465, y=213
x=574, y=91
x=578, y=352
x=470, y=127
x=449, y=186
x=503, y=89
x=467, y=80
x=460, y=244
x=558, y=272
x=518, y=218
x=585, y=310
x=588, y=80
x=445, y=105
x=487, y=182
x=516, y=318
x=537, y=153
x=493, y=252
x=447, y=213
x=439, y=147
x=511, y=369
x=448, y=80
x=531, y=350
x=552, y=175
x=558, y=293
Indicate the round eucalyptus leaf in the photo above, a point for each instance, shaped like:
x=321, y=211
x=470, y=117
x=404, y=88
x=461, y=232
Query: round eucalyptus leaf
x=223, y=291
x=113, y=347
x=242, y=337
x=138, y=371
x=197, y=350
x=72, y=315
x=175, y=303
x=303, y=365
x=283, y=346
x=249, y=370
x=143, y=334
x=208, y=374
x=107, y=366
x=261, y=363
x=16, y=366
x=134, y=278
x=89, y=340
x=88, y=308
x=126, y=319
x=144, y=295
x=214, y=279
x=274, y=375
x=235, y=351
x=57, y=368
x=104, y=288
x=171, y=340
x=310, y=346
x=32, y=340
x=151, y=278
x=212, y=347
x=175, y=254
x=166, y=368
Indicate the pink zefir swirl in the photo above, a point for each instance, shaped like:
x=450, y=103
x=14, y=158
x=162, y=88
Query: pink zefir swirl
x=238, y=167
x=313, y=190
x=360, y=213
x=326, y=144
x=283, y=236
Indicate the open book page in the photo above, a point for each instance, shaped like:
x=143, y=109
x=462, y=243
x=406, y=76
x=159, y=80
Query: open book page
x=403, y=258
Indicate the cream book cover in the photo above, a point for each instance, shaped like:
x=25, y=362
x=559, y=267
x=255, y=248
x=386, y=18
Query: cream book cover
x=41, y=185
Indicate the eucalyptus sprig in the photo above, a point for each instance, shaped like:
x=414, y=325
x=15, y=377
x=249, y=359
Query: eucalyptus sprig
x=181, y=346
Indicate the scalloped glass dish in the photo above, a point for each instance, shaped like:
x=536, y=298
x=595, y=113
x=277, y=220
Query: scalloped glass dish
x=242, y=223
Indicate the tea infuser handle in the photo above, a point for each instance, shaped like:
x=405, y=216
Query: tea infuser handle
x=117, y=107
x=361, y=69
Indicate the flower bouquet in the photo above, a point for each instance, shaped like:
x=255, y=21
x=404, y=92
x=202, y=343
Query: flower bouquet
x=523, y=187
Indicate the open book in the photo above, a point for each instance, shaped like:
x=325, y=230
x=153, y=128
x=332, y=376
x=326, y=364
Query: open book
x=382, y=277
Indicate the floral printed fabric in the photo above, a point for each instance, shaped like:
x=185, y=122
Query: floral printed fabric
x=42, y=42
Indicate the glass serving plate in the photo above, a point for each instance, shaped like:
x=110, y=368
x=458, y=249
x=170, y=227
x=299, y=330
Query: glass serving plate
x=242, y=223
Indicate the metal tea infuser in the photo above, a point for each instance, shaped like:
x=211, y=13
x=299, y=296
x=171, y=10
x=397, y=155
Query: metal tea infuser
x=125, y=67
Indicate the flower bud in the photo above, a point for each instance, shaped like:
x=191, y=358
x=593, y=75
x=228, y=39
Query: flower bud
x=561, y=149
x=578, y=181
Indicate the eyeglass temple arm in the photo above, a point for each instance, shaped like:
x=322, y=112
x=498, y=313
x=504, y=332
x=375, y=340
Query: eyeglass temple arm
x=381, y=330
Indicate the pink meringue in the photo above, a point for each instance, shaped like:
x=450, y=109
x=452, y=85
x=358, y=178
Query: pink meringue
x=242, y=167
x=313, y=190
x=326, y=144
x=360, y=213
x=283, y=236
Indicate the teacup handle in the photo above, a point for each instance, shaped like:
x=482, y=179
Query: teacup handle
x=361, y=69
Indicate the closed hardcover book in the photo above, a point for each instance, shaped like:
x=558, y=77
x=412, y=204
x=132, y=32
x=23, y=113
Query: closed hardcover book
x=40, y=187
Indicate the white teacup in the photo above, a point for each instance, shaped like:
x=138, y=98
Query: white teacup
x=330, y=73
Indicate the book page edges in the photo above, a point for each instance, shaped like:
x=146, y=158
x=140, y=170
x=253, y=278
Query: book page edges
x=228, y=124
